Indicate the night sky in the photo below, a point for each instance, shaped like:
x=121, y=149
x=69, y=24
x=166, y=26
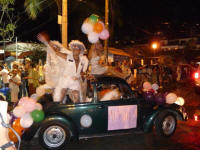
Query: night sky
x=139, y=20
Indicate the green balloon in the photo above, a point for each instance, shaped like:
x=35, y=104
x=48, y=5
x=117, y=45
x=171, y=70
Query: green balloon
x=37, y=115
x=94, y=18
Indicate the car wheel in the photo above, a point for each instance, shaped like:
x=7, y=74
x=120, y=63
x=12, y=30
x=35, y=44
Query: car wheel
x=165, y=124
x=54, y=135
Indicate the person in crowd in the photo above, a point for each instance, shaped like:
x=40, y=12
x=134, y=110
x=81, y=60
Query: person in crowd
x=40, y=70
x=33, y=79
x=23, y=87
x=14, y=84
x=5, y=76
x=178, y=73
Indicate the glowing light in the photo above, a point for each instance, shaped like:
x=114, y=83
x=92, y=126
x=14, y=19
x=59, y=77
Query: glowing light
x=195, y=118
x=196, y=75
x=154, y=45
x=180, y=101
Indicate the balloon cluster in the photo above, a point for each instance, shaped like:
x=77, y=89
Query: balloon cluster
x=95, y=29
x=150, y=93
x=26, y=112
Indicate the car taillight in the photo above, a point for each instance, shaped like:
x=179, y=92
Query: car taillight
x=196, y=75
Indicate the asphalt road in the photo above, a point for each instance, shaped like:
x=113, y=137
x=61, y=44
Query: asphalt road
x=186, y=137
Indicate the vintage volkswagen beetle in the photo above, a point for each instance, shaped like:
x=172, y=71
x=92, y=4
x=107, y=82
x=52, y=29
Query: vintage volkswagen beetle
x=126, y=114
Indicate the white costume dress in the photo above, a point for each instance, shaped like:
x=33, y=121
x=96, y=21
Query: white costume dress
x=71, y=75
x=54, y=65
x=96, y=68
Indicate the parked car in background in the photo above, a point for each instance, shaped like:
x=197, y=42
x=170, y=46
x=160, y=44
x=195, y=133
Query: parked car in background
x=126, y=112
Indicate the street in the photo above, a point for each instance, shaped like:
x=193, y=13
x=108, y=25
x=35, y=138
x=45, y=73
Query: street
x=186, y=137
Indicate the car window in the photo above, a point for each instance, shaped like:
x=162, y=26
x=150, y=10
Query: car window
x=126, y=92
x=108, y=92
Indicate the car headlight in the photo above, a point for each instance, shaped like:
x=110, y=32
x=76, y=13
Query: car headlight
x=180, y=101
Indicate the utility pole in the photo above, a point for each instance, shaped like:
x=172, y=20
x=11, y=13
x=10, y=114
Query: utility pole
x=64, y=23
x=16, y=49
x=107, y=27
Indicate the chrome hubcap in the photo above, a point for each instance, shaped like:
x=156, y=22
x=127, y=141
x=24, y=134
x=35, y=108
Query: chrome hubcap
x=54, y=136
x=169, y=124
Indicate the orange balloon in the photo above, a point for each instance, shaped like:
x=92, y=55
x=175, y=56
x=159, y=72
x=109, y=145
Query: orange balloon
x=12, y=135
x=98, y=27
x=17, y=126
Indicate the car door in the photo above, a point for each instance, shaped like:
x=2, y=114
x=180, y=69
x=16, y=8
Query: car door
x=89, y=116
x=119, y=106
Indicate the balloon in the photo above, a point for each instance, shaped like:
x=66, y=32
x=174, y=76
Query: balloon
x=171, y=98
x=155, y=86
x=180, y=101
x=104, y=35
x=98, y=27
x=147, y=86
x=160, y=99
x=12, y=135
x=22, y=100
x=38, y=106
x=26, y=121
x=34, y=96
x=28, y=104
x=17, y=126
x=93, y=18
x=93, y=37
x=149, y=96
x=87, y=28
x=19, y=111
x=37, y=115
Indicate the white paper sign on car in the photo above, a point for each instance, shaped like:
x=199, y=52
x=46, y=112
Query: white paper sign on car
x=122, y=117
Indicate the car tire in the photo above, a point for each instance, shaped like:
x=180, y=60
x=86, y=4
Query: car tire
x=165, y=124
x=54, y=135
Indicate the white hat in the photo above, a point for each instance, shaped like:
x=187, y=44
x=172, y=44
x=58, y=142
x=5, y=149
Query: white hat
x=75, y=44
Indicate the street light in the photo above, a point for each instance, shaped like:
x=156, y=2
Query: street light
x=154, y=46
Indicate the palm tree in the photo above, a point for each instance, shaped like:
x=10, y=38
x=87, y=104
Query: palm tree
x=34, y=7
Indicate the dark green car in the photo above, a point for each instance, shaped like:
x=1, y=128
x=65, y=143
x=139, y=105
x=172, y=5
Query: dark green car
x=125, y=112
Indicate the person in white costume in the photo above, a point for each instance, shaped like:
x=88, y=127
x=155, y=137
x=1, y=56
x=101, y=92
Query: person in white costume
x=54, y=64
x=76, y=65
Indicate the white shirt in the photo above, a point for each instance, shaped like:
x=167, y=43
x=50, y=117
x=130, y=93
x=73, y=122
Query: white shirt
x=70, y=66
x=5, y=76
x=14, y=86
x=71, y=75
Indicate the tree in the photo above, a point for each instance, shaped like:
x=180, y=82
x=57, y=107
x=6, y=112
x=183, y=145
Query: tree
x=34, y=7
x=8, y=20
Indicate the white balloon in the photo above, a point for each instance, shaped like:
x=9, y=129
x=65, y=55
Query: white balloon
x=171, y=98
x=180, y=101
x=19, y=111
x=155, y=86
x=93, y=37
x=87, y=28
x=26, y=121
x=38, y=106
